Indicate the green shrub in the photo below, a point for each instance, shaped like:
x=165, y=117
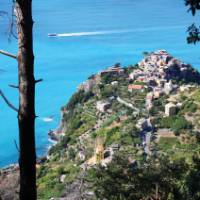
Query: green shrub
x=61, y=170
x=42, y=171
x=168, y=143
x=154, y=110
x=139, y=83
x=189, y=107
x=107, y=78
x=126, y=139
x=109, y=135
x=75, y=123
x=175, y=123
x=60, y=145
x=49, y=186
x=79, y=97
x=107, y=91
x=71, y=153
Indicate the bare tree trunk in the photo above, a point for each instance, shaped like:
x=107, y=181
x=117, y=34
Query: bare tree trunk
x=157, y=188
x=26, y=114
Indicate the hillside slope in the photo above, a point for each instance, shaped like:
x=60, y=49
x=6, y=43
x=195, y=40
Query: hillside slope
x=146, y=110
x=124, y=122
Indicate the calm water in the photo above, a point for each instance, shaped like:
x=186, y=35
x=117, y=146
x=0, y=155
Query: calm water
x=133, y=27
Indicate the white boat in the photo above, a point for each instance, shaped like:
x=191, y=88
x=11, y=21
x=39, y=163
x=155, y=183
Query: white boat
x=47, y=119
x=52, y=34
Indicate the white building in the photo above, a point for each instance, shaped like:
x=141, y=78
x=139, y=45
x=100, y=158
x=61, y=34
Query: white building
x=102, y=106
x=88, y=85
x=136, y=73
x=170, y=109
x=114, y=83
x=168, y=87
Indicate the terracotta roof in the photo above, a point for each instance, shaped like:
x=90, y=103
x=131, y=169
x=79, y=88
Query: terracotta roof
x=141, y=78
x=136, y=87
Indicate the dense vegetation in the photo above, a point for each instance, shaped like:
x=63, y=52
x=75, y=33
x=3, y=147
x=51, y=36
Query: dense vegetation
x=155, y=178
x=175, y=123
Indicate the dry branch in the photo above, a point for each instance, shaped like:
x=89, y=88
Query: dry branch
x=7, y=101
x=39, y=80
x=16, y=145
x=8, y=54
x=13, y=86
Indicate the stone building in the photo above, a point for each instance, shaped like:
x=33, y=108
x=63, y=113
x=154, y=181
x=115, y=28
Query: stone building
x=102, y=106
x=113, y=70
x=170, y=109
x=135, y=74
x=87, y=85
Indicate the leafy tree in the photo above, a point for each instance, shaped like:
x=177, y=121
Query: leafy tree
x=79, y=97
x=117, y=65
x=62, y=145
x=151, y=179
x=194, y=30
x=194, y=34
x=145, y=53
x=194, y=5
x=175, y=123
x=193, y=180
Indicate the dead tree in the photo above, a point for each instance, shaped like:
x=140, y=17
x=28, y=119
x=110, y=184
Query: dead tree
x=26, y=87
x=26, y=113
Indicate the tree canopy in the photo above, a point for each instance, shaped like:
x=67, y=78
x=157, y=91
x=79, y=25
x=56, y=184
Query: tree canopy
x=193, y=30
x=155, y=179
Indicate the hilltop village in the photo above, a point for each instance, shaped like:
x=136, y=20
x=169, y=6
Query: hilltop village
x=158, y=79
x=142, y=111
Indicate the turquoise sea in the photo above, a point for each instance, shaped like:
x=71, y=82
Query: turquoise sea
x=120, y=30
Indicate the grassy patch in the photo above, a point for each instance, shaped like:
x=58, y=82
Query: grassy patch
x=188, y=107
x=168, y=143
x=196, y=95
x=175, y=123
x=49, y=184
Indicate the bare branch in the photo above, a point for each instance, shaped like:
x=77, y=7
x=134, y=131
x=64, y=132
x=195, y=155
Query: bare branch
x=39, y=80
x=12, y=23
x=8, y=54
x=13, y=86
x=16, y=145
x=2, y=13
x=8, y=102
